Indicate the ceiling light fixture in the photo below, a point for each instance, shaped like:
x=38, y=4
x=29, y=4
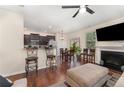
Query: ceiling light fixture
x=62, y=35
x=82, y=10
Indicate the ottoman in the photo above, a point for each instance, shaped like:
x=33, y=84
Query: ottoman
x=87, y=75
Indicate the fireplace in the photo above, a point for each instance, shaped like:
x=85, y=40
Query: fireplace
x=113, y=60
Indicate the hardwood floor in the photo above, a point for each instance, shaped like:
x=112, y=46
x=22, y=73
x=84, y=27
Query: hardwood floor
x=46, y=77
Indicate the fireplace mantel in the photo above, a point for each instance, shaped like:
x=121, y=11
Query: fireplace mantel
x=110, y=46
x=119, y=48
x=116, y=48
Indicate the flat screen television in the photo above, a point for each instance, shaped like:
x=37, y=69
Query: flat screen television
x=111, y=33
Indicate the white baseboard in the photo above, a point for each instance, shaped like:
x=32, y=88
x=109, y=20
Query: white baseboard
x=13, y=73
x=17, y=72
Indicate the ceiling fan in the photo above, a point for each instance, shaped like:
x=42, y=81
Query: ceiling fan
x=87, y=9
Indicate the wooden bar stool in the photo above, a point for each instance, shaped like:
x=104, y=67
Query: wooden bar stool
x=31, y=60
x=50, y=58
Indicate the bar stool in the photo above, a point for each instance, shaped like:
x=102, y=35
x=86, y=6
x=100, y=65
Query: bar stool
x=50, y=58
x=31, y=60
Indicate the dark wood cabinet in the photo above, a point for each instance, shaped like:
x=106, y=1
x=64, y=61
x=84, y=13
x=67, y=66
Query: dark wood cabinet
x=50, y=37
x=37, y=40
x=35, y=36
x=43, y=40
x=27, y=39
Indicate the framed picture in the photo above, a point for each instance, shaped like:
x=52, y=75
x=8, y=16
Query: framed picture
x=90, y=40
x=73, y=40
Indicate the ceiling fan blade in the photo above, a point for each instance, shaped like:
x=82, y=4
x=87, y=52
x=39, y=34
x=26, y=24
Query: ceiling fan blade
x=71, y=6
x=76, y=13
x=89, y=10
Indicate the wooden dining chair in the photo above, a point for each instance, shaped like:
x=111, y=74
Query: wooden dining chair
x=70, y=55
x=84, y=56
x=92, y=56
x=61, y=53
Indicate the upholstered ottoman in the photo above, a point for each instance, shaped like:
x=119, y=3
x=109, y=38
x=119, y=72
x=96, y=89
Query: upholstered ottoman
x=87, y=75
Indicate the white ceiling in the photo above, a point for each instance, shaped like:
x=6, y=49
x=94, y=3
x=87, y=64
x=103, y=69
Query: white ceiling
x=52, y=18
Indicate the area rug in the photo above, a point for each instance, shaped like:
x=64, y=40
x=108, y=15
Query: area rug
x=59, y=84
x=110, y=83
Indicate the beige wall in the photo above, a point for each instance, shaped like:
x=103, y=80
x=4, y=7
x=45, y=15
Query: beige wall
x=11, y=43
x=77, y=34
x=61, y=43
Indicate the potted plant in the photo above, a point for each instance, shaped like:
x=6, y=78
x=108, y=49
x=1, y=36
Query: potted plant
x=76, y=49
